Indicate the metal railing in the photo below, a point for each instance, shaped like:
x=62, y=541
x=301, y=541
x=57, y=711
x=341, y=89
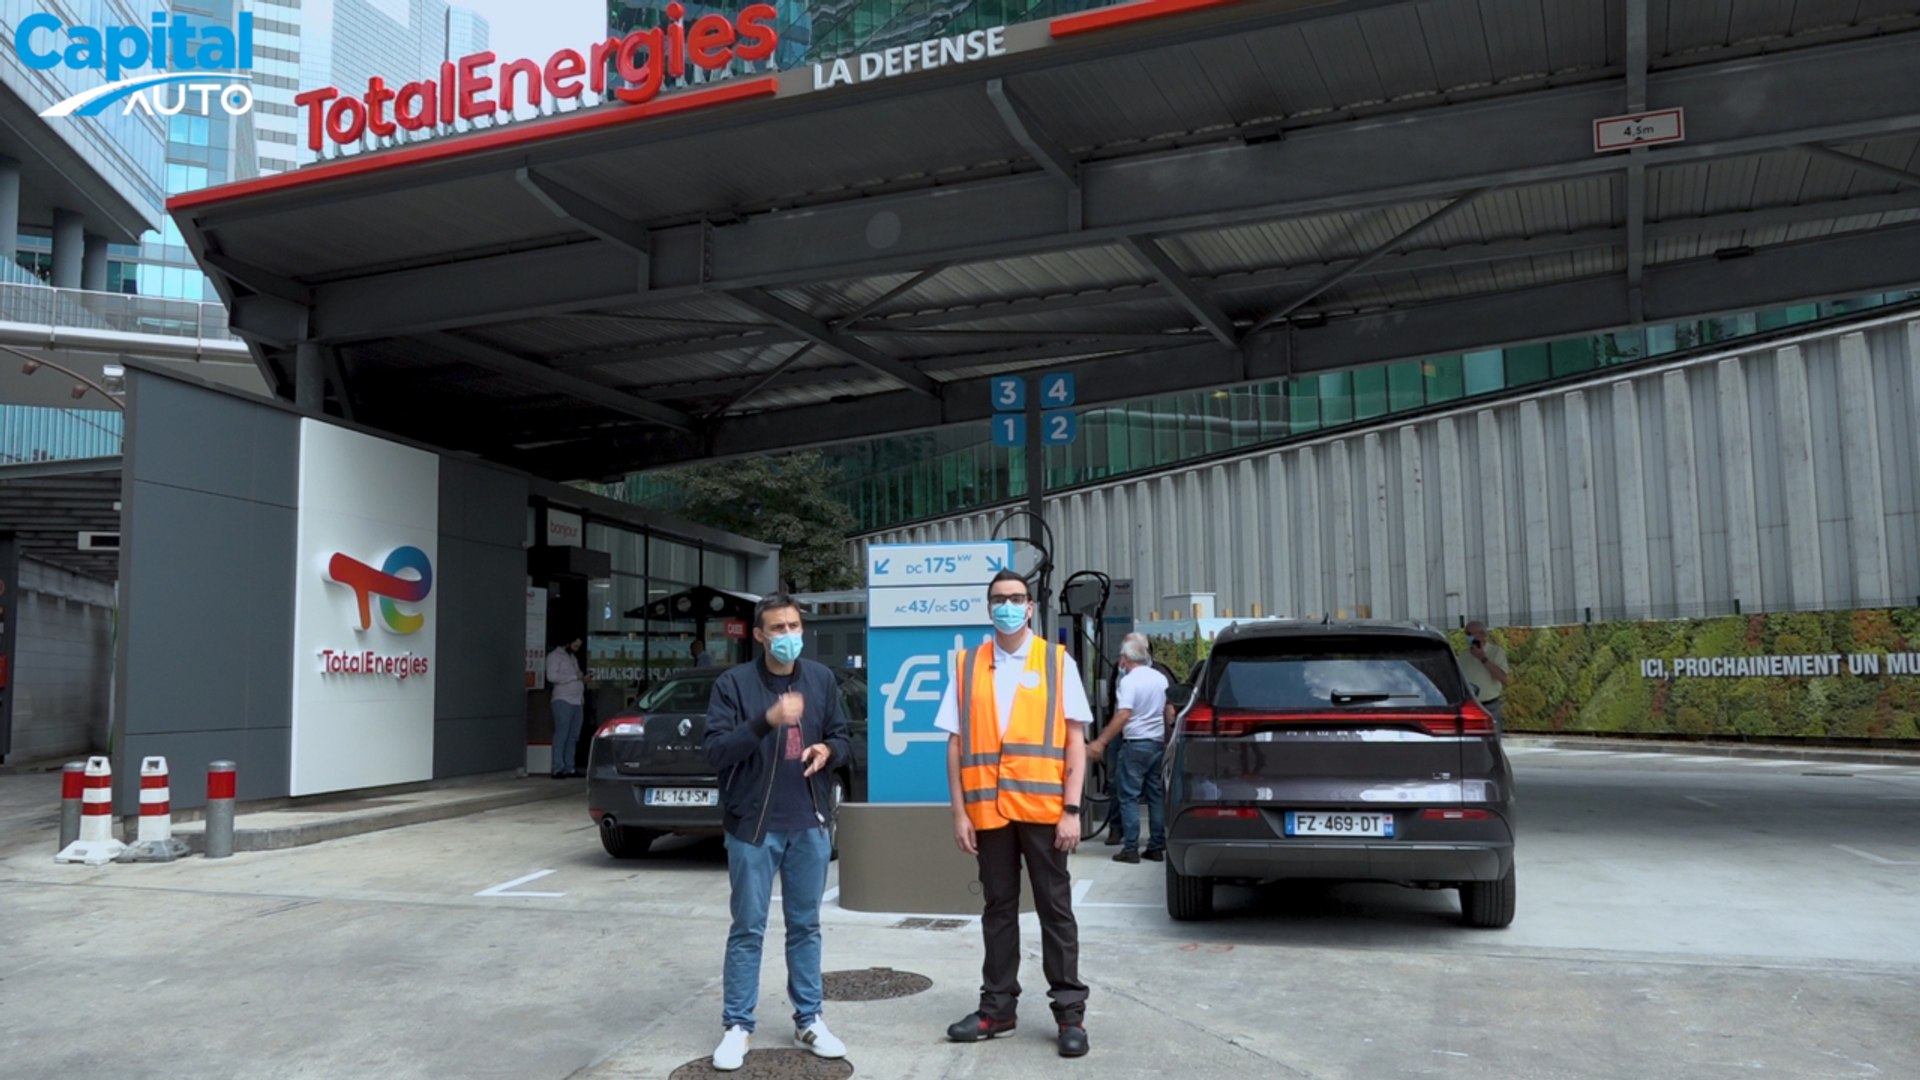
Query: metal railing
x=43, y=305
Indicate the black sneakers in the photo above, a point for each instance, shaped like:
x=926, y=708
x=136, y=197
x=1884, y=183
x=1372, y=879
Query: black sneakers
x=1073, y=1040
x=1155, y=854
x=976, y=1027
x=1127, y=855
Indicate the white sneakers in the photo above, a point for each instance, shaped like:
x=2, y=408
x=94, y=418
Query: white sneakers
x=817, y=1038
x=732, y=1051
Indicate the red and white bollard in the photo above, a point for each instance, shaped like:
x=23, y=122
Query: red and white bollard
x=155, y=842
x=222, y=785
x=73, y=788
x=96, y=845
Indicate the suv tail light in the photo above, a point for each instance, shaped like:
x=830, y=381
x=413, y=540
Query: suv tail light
x=622, y=726
x=1469, y=719
x=1456, y=815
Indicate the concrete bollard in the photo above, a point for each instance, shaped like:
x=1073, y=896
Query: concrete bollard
x=222, y=780
x=155, y=842
x=73, y=787
x=96, y=845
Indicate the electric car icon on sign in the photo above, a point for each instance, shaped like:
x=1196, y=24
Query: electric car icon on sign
x=920, y=678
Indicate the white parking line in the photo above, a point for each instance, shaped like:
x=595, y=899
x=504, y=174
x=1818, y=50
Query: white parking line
x=501, y=889
x=1080, y=890
x=1871, y=857
x=1774, y=764
x=1713, y=760
x=1588, y=753
x=1703, y=802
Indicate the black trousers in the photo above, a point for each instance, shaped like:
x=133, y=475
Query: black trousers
x=1001, y=852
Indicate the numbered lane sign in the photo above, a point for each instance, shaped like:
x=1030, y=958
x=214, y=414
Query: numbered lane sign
x=1056, y=390
x=1010, y=431
x=1009, y=393
x=1059, y=428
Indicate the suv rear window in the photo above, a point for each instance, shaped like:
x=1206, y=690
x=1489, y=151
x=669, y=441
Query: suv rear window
x=1335, y=673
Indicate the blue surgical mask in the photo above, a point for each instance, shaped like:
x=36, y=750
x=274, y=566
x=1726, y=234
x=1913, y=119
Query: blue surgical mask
x=786, y=647
x=1009, y=618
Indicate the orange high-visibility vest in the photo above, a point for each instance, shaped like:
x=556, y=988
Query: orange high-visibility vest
x=1022, y=777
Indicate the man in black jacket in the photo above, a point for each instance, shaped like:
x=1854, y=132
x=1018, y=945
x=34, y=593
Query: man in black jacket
x=775, y=732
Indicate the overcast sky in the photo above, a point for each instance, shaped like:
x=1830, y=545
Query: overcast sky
x=536, y=29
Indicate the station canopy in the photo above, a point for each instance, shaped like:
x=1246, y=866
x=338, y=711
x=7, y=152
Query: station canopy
x=1159, y=197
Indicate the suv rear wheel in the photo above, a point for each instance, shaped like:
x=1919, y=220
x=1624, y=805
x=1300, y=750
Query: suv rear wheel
x=1488, y=904
x=625, y=843
x=1188, y=898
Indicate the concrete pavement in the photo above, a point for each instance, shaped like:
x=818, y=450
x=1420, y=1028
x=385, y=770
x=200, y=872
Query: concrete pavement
x=1658, y=936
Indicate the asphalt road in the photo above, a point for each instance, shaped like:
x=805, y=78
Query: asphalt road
x=1679, y=917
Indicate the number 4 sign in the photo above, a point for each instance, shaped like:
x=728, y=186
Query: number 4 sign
x=1056, y=391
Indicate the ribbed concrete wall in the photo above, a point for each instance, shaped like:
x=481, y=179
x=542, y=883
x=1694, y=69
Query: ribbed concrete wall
x=62, y=663
x=1777, y=477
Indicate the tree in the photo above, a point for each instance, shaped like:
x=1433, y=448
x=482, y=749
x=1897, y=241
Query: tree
x=777, y=500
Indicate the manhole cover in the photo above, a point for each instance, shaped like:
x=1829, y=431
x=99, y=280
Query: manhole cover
x=770, y=1065
x=872, y=984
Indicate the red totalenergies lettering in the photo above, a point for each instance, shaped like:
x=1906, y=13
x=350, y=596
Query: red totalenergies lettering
x=645, y=59
x=367, y=662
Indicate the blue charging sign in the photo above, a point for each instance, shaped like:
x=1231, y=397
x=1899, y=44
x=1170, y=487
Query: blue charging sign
x=924, y=603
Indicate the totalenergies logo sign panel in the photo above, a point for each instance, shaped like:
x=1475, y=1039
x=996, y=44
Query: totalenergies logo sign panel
x=393, y=590
x=210, y=62
x=366, y=611
x=644, y=60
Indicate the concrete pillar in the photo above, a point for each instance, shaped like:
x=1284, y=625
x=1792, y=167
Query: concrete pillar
x=1683, y=495
x=1796, y=471
x=1585, y=520
x=1346, y=592
x=1630, y=481
x=1453, y=525
x=1866, y=502
x=1736, y=457
x=9, y=207
x=1249, y=545
x=1386, y=604
x=1279, y=541
x=1536, y=537
x=1413, y=524
x=1313, y=576
x=1492, y=478
x=69, y=248
x=93, y=264
x=309, y=376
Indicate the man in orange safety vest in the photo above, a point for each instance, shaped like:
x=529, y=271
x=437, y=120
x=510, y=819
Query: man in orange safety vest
x=1016, y=716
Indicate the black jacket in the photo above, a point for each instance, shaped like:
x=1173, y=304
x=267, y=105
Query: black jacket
x=743, y=748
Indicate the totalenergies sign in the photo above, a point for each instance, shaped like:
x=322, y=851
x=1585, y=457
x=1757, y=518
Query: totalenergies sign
x=644, y=59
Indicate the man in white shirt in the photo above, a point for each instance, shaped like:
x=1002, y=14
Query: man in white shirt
x=1139, y=719
x=569, y=686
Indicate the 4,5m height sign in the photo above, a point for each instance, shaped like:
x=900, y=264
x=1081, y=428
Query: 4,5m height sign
x=924, y=603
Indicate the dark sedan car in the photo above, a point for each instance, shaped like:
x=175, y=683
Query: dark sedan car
x=647, y=775
x=1348, y=751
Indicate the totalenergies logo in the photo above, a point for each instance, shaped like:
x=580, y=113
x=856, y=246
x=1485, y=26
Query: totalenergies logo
x=388, y=584
x=208, y=60
x=644, y=60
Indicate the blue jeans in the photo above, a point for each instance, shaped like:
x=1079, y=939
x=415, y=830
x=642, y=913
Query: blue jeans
x=566, y=735
x=800, y=860
x=1138, y=773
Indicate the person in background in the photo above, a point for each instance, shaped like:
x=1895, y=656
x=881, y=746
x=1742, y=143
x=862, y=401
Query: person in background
x=1016, y=716
x=1485, y=666
x=775, y=730
x=568, y=684
x=1114, y=838
x=701, y=657
x=1140, y=722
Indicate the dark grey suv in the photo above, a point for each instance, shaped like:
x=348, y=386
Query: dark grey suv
x=1345, y=751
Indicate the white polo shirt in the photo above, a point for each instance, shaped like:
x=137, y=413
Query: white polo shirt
x=1144, y=691
x=1009, y=674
